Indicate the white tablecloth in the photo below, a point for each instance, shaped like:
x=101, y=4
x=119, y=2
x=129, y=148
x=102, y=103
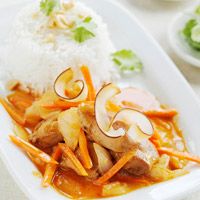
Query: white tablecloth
x=155, y=15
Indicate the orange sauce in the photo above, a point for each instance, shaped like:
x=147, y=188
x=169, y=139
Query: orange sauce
x=68, y=183
x=72, y=185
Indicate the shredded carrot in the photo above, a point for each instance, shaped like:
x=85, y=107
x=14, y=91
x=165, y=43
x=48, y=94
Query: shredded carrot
x=156, y=139
x=87, y=162
x=32, y=149
x=112, y=171
x=64, y=105
x=168, y=113
x=179, y=154
x=21, y=132
x=51, y=167
x=21, y=100
x=66, y=150
x=162, y=123
x=155, y=142
x=14, y=113
x=88, y=79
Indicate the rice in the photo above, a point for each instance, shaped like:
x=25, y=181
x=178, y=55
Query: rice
x=35, y=55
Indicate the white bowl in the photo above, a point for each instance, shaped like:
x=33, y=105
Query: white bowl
x=160, y=76
x=178, y=44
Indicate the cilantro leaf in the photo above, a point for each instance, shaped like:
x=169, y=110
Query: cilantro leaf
x=47, y=6
x=81, y=34
x=197, y=10
x=87, y=19
x=187, y=34
x=127, y=60
x=84, y=30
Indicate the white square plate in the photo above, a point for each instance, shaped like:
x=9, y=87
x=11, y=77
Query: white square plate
x=160, y=76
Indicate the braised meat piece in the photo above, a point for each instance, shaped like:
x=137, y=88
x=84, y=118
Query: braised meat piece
x=46, y=134
x=89, y=125
x=145, y=152
x=142, y=162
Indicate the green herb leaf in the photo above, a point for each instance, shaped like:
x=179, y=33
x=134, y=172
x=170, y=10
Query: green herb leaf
x=197, y=10
x=87, y=19
x=47, y=6
x=84, y=30
x=127, y=60
x=187, y=34
x=81, y=34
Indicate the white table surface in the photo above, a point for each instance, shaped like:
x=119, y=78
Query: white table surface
x=155, y=15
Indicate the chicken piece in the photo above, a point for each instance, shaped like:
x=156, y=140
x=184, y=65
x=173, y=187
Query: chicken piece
x=89, y=125
x=46, y=134
x=136, y=98
x=145, y=156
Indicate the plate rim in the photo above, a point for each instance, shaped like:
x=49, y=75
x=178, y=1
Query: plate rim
x=170, y=64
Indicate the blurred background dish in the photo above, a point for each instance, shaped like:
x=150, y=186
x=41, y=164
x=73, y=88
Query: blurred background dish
x=179, y=45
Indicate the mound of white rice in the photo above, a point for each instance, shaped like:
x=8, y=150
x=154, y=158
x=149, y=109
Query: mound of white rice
x=36, y=63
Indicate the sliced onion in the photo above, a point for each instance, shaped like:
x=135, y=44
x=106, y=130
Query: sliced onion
x=103, y=158
x=129, y=122
x=64, y=80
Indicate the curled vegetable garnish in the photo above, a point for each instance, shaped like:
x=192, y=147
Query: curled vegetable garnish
x=126, y=121
x=70, y=89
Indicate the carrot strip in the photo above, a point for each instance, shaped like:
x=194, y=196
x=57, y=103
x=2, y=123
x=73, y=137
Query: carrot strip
x=179, y=154
x=51, y=167
x=156, y=139
x=32, y=149
x=14, y=114
x=66, y=150
x=112, y=171
x=155, y=142
x=87, y=162
x=21, y=132
x=161, y=113
x=162, y=123
x=21, y=99
x=64, y=104
x=88, y=79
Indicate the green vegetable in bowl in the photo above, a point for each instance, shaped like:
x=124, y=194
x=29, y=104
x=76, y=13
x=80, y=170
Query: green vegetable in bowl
x=191, y=33
x=127, y=60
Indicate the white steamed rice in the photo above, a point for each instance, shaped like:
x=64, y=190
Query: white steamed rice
x=36, y=63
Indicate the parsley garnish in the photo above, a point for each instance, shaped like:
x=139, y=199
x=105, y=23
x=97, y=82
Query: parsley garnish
x=127, y=60
x=197, y=10
x=84, y=30
x=81, y=34
x=47, y=6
